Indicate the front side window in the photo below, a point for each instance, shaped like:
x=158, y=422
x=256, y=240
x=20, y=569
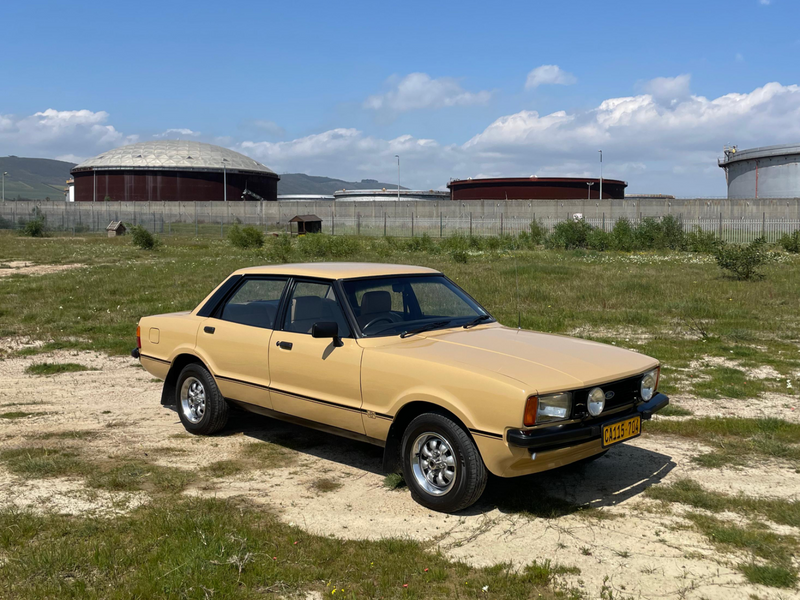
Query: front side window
x=255, y=303
x=392, y=305
x=313, y=302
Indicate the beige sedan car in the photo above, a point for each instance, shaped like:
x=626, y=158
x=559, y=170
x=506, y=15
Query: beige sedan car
x=401, y=357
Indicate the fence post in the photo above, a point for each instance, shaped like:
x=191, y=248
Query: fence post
x=333, y=221
x=604, y=221
x=441, y=223
x=221, y=226
x=501, y=223
x=720, y=225
x=358, y=224
x=764, y=224
x=384, y=223
x=412, y=224
x=470, y=224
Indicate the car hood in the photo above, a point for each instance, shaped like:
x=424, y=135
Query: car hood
x=544, y=362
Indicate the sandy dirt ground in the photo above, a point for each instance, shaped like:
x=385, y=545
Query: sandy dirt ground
x=21, y=267
x=631, y=545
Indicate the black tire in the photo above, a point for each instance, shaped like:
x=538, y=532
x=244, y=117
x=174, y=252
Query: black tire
x=215, y=409
x=470, y=473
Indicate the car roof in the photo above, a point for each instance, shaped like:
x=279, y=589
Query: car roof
x=337, y=270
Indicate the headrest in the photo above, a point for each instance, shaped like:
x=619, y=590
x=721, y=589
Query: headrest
x=306, y=308
x=376, y=302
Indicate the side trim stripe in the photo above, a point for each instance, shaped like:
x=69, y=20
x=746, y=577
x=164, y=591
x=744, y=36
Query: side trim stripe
x=153, y=358
x=489, y=434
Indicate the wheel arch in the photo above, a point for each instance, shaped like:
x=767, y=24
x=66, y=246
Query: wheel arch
x=170, y=382
x=407, y=413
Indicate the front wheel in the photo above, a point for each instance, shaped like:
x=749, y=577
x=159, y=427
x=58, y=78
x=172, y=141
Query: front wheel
x=441, y=464
x=201, y=407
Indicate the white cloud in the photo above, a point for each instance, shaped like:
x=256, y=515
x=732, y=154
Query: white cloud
x=176, y=133
x=643, y=140
x=74, y=133
x=549, y=75
x=765, y=2
x=667, y=90
x=418, y=91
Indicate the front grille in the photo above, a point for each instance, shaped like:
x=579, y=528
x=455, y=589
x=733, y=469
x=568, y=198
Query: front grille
x=626, y=391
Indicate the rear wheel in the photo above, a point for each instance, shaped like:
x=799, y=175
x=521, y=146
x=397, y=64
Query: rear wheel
x=441, y=464
x=201, y=407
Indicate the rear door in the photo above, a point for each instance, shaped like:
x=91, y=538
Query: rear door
x=235, y=339
x=314, y=378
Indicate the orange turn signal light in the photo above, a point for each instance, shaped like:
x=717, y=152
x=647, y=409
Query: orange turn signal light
x=138, y=337
x=531, y=409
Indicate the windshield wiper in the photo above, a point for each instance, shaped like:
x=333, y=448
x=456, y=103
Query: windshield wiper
x=477, y=321
x=427, y=327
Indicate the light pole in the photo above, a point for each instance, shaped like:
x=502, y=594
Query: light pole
x=397, y=156
x=601, y=174
x=224, y=180
x=4, y=185
x=589, y=184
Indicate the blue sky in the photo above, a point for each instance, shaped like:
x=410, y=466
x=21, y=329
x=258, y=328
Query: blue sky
x=457, y=89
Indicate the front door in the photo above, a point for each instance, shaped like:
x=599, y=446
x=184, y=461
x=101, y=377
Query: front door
x=313, y=378
x=236, y=340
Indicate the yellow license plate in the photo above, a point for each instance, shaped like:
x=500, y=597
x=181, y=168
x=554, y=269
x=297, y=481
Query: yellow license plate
x=622, y=430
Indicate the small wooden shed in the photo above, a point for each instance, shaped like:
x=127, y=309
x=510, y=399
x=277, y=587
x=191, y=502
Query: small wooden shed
x=307, y=224
x=116, y=228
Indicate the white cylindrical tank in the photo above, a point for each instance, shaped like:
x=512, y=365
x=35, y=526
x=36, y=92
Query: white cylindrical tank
x=768, y=172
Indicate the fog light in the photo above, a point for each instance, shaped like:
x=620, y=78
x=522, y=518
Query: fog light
x=596, y=401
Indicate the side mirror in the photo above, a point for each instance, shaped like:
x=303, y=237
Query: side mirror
x=327, y=329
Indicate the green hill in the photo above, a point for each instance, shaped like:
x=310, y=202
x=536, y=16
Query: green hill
x=300, y=183
x=40, y=178
x=34, y=178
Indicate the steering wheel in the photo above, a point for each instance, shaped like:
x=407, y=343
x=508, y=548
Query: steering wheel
x=377, y=320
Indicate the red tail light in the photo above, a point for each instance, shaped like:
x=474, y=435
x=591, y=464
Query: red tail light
x=138, y=337
x=531, y=409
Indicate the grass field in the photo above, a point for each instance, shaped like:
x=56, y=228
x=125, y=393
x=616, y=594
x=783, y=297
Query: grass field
x=719, y=340
x=716, y=337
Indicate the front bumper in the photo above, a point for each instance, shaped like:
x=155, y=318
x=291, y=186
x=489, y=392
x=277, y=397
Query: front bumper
x=553, y=438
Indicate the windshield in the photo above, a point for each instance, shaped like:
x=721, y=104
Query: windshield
x=401, y=305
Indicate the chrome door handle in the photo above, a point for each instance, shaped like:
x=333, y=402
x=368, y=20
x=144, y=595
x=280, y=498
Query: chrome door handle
x=284, y=345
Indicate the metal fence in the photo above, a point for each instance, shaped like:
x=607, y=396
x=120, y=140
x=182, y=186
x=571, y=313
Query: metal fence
x=737, y=223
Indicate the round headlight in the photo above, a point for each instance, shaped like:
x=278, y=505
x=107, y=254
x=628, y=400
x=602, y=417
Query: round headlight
x=596, y=401
x=649, y=382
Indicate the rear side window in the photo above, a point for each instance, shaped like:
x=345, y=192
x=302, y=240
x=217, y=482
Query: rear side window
x=312, y=303
x=255, y=303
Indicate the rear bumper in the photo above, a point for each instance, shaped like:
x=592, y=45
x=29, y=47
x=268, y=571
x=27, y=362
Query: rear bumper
x=552, y=438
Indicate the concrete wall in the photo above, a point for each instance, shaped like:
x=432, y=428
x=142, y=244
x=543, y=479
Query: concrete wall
x=408, y=218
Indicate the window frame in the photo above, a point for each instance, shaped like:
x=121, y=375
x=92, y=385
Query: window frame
x=337, y=292
x=216, y=313
x=354, y=322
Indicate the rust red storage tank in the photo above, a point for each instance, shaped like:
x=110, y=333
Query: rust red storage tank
x=536, y=188
x=173, y=170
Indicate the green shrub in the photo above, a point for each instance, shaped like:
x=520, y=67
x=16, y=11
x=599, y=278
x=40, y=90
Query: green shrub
x=672, y=234
x=459, y=256
x=320, y=245
x=623, y=236
x=245, y=237
x=422, y=244
x=6, y=224
x=280, y=249
x=698, y=240
x=569, y=235
x=142, y=238
x=743, y=262
x=789, y=241
x=598, y=240
x=37, y=225
x=455, y=243
x=537, y=234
